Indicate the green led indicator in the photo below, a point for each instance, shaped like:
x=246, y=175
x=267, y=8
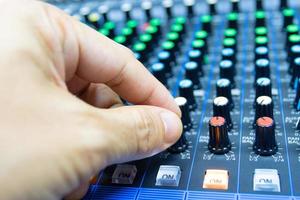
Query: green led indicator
x=172, y=36
x=132, y=24
x=180, y=20
x=288, y=12
x=139, y=47
x=145, y=38
x=261, y=30
x=292, y=28
x=232, y=16
x=198, y=43
x=151, y=30
x=176, y=28
x=201, y=34
x=168, y=45
x=229, y=41
x=294, y=38
x=120, y=39
x=261, y=40
x=155, y=22
x=126, y=31
x=260, y=14
x=104, y=32
x=230, y=32
x=109, y=25
x=206, y=19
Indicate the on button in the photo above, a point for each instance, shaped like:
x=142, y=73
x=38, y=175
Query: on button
x=216, y=179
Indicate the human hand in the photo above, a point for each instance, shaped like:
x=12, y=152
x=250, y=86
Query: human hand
x=51, y=141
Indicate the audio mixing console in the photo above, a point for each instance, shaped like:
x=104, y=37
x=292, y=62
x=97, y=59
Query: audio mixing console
x=234, y=68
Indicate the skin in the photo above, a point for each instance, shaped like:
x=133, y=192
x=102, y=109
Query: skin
x=62, y=119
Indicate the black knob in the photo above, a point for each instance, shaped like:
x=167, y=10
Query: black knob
x=263, y=87
x=260, y=19
x=196, y=56
x=288, y=17
x=219, y=142
x=221, y=108
x=189, y=7
x=192, y=72
x=296, y=72
x=103, y=10
x=229, y=54
x=297, y=98
x=126, y=8
x=261, y=52
x=147, y=6
x=227, y=71
x=259, y=4
x=265, y=141
x=186, y=89
x=262, y=68
x=165, y=58
x=182, y=144
x=283, y=4
x=223, y=88
x=264, y=107
x=212, y=6
x=235, y=5
x=293, y=54
x=206, y=21
x=158, y=70
x=168, y=4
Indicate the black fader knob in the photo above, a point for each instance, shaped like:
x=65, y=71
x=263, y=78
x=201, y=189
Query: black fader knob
x=223, y=88
x=165, y=58
x=168, y=4
x=262, y=68
x=219, y=142
x=264, y=107
x=261, y=52
x=126, y=8
x=147, y=6
x=265, y=142
x=192, y=72
x=227, y=70
x=229, y=54
x=263, y=87
x=296, y=72
x=297, y=98
x=212, y=6
x=196, y=56
x=158, y=70
x=186, y=89
x=221, y=108
x=182, y=144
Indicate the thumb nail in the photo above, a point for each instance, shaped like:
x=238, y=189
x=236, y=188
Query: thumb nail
x=173, y=126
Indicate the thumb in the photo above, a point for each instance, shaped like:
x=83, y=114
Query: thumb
x=135, y=132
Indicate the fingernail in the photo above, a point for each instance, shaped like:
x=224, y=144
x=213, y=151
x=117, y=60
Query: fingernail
x=173, y=126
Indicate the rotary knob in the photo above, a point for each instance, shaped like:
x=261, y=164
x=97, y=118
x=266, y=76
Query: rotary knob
x=263, y=87
x=297, y=98
x=221, y=108
x=219, y=142
x=262, y=68
x=229, y=54
x=227, y=71
x=261, y=52
x=158, y=70
x=296, y=72
x=168, y=4
x=223, y=88
x=265, y=142
x=264, y=107
x=147, y=6
x=186, y=90
x=191, y=72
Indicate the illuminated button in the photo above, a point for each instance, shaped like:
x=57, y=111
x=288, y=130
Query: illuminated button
x=266, y=180
x=168, y=175
x=124, y=174
x=216, y=179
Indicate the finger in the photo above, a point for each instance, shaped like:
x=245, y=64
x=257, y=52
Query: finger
x=79, y=192
x=101, y=96
x=146, y=130
x=95, y=58
x=77, y=85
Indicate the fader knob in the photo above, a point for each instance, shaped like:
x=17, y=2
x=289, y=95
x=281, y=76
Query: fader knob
x=182, y=143
x=224, y=89
x=158, y=70
x=263, y=87
x=265, y=141
x=262, y=68
x=221, y=108
x=186, y=90
x=296, y=72
x=227, y=71
x=168, y=4
x=191, y=72
x=219, y=142
x=264, y=107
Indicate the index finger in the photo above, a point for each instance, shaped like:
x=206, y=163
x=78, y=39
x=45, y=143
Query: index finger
x=101, y=60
